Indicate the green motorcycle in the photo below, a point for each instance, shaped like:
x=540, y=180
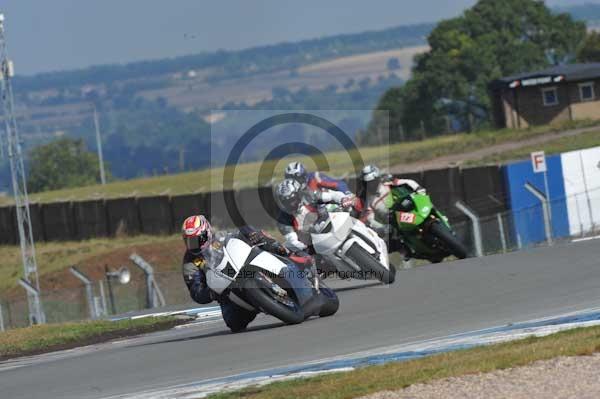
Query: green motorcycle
x=421, y=228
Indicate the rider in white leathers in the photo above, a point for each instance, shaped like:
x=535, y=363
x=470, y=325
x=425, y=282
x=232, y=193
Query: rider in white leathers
x=372, y=196
x=300, y=208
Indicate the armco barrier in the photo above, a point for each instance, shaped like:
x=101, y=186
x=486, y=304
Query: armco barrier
x=155, y=215
x=183, y=206
x=483, y=189
x=123, y=216
x=90, y=218
x=57, y=220
x=8, y=232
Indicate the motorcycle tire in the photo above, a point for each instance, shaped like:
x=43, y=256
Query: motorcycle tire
x=443, y=233
x=331, y=302
x=258, y=296
x=371, y=266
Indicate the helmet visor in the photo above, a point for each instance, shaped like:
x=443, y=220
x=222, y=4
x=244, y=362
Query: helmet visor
x=196, y=243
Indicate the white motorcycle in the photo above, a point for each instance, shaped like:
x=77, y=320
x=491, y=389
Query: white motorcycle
x=354, y=249
x=258, y=280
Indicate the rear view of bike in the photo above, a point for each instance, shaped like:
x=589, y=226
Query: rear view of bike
x=354, y=249
x=260, y=281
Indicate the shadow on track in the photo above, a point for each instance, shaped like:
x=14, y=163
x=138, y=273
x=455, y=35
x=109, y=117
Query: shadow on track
x=358, y=287
x=220, y=333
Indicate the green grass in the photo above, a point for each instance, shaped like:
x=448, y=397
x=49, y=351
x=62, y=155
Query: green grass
x=339, y=163
x=49, y=337
x=394, y=376
x=565, y=144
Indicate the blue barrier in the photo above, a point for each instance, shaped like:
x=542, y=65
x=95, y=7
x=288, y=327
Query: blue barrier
x=526, y=209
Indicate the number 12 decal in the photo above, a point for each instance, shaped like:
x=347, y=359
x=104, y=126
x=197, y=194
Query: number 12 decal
x=406, y=217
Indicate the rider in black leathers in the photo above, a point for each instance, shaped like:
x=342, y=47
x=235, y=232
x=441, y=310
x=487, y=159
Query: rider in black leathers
x=236, y=317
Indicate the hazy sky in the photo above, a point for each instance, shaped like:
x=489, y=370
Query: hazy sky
x=48, y=35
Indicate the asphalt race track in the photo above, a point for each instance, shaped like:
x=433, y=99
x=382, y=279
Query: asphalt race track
x=427, y=302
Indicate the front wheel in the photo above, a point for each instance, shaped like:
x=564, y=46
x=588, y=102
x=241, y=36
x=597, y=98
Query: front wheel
x=264, y=299
x=443, y=233
x=371, y=266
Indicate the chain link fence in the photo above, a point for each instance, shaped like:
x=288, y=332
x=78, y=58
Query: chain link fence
x=569, y=218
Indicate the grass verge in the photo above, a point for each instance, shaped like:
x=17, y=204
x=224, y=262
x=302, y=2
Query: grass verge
x=56, y=256
x=51, y=337
x=565, y=144
x=394, y=376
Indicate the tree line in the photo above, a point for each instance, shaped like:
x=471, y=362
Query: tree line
x=449, y=86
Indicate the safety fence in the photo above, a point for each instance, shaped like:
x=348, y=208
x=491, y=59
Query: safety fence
x=565, y=219
x=73, y=304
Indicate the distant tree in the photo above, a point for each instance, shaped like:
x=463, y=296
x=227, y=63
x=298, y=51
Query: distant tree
x=60, y=164
x=490, y=40
x=386, y=122
x=590, y=50
x=393, y=64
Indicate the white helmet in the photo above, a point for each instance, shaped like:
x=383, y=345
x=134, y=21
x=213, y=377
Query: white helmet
x=296, y=171
x=289, y=194
x=370, y=173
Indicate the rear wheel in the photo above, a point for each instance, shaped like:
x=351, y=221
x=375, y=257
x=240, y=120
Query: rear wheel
x=264, y=299
x=371, y=266
x=450, y=241
x=332, y=303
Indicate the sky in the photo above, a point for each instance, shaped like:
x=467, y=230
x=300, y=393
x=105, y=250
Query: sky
x=49, y=35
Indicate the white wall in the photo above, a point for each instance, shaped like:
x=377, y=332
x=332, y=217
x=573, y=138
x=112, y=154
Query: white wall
x=581, y=169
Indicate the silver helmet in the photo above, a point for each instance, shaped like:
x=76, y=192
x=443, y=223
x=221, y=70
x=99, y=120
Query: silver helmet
x=370, y=173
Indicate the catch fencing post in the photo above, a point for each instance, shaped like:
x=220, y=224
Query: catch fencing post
x=38, y=317
x=88, y=290
x=155, y=297
x=1, y=318
x=102, y=297
x=476, y=227
x=545, y=208
x=502, y=234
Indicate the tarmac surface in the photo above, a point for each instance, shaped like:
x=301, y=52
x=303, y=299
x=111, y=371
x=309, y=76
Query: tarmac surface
x=425, y=303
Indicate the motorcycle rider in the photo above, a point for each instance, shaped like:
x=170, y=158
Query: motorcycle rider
x=375, y=188
x=198, y=236
x=314, y=181
x=297, y=204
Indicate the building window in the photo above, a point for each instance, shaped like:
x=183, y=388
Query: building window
x=550, y=96
x=586, y=91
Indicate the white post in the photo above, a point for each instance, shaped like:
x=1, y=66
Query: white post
x=88, y=290
x=103, y=297
x=502, y=234
x=155, y=297
x=476, y=227
x=38, y=317
x=1, y=318
x=546, y=210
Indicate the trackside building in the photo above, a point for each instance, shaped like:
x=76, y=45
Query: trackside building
x=557, y=94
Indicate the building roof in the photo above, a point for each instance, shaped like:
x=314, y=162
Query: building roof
x=560, y=73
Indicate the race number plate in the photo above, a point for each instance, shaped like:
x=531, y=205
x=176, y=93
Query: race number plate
x=406, y=217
